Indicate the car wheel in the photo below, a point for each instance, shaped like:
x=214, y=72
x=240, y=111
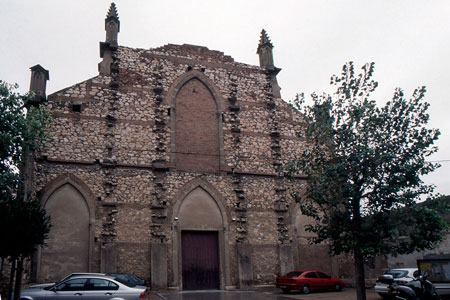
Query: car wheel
x=286, y=291
x=338, y=287
x=305, y=289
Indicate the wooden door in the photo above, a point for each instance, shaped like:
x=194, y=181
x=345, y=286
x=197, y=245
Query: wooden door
x=200, y=256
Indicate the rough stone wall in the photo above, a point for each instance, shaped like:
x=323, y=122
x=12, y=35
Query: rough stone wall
x=315, y=257
x=134, y=258
x=268, y=268
x=114, y=133
x=373, y=268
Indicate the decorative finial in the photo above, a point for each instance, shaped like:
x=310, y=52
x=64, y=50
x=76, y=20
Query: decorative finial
x=265, y=52
x=112, y=28
x=112, y=13
x=264, y=40
x=112, y=25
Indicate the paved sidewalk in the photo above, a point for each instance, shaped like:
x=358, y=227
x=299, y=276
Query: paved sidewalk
x=346, y=294
x=270, y=294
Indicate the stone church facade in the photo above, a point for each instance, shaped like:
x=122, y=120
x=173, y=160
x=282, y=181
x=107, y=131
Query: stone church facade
x=166, y=165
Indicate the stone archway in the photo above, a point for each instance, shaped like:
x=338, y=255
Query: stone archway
x=68, y=247
x=200, y=221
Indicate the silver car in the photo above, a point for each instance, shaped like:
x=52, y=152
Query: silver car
x=401, y=276
x=44, y=285
x=87, y=287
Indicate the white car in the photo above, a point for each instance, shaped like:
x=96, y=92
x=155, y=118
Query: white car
x=401, y=276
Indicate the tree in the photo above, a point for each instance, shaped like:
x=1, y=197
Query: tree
x=363, y=166
x=23, y=222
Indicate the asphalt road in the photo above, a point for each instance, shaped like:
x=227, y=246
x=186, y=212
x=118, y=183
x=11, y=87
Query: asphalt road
x=346, y=294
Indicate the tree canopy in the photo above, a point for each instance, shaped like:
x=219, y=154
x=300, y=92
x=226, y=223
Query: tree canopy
x=363, y=165
x=21, y=128
x=23, y=222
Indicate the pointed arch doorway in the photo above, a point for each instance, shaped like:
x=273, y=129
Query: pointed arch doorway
x=200, y=259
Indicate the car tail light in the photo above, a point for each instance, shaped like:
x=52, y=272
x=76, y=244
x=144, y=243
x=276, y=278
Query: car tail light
x=142, y=295
x=402, y=282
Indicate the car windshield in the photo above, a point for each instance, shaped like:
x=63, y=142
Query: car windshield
x=293, y=274
x=397, y=273
x=49, y=287
x=127, y=283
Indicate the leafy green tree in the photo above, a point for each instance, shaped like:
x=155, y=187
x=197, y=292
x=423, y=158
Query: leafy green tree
x=364, y=165
x=23, y=223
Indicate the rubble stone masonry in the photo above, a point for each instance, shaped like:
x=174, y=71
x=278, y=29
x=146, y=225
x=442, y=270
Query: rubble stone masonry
x=154, y=130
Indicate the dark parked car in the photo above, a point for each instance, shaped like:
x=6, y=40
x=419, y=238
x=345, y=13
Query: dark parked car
x=308, y=280
x=87, y=287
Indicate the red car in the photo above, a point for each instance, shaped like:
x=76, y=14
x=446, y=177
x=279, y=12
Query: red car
x=308, y=280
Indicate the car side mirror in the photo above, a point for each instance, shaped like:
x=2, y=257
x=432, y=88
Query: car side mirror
x=423, y=274
x=55, y=288
x=386, y=279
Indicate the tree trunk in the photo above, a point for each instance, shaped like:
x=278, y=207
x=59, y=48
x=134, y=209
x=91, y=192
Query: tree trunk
x=358, y=260
x=18, y=285
x=12, y=274
x=360, y=280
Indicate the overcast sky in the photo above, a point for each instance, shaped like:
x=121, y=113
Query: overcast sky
x=409, y=41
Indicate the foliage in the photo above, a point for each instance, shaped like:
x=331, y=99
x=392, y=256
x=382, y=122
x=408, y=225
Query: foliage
x=363, y=165
x=23, y=223
x=21, y=128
